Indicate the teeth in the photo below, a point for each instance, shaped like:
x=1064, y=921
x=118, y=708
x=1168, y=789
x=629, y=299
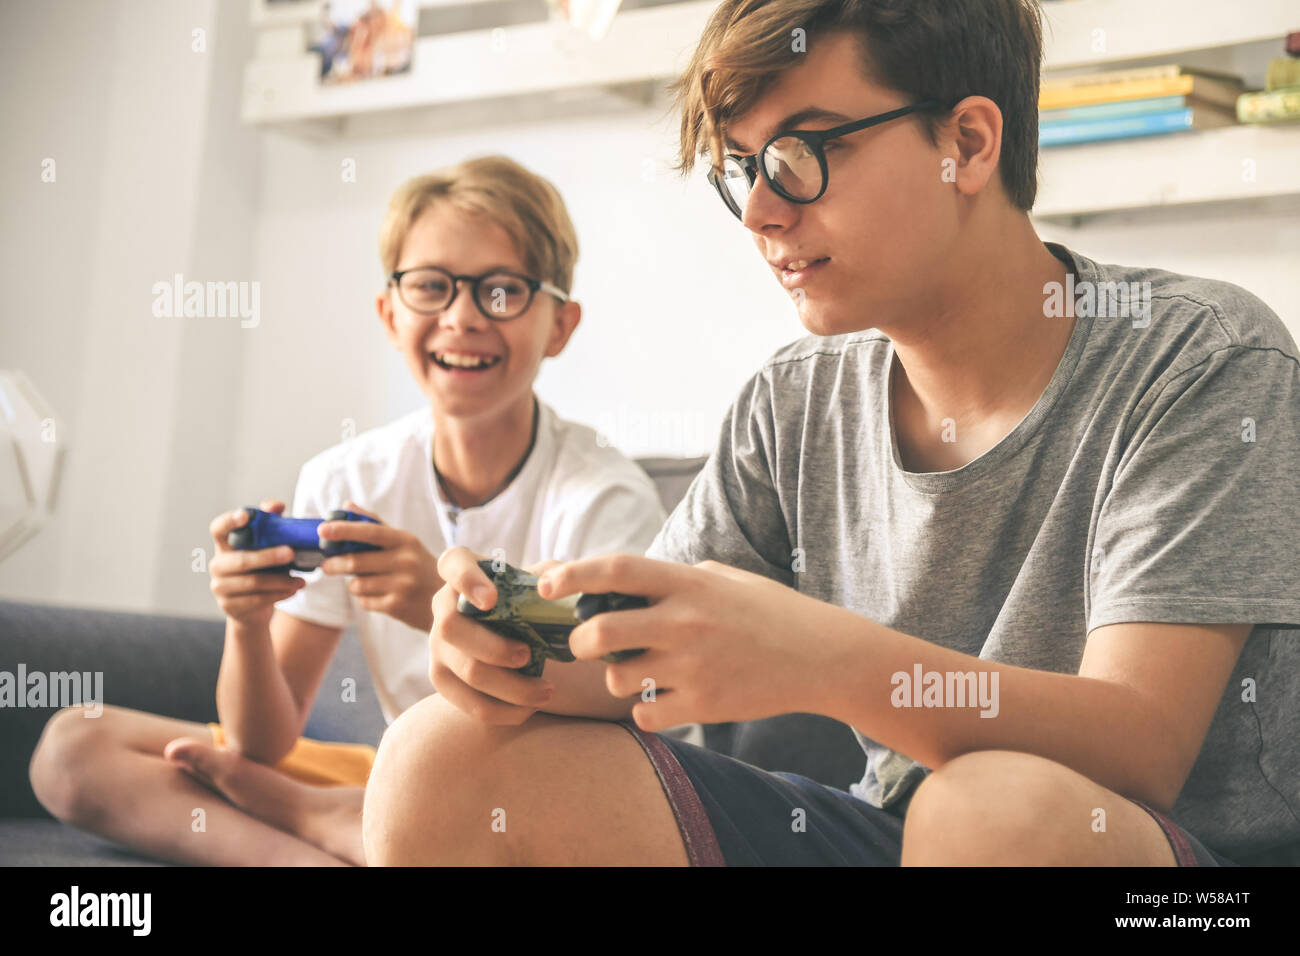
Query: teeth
x=797, y=265
x=464, y=361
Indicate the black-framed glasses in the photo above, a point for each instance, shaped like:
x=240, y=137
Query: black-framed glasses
x=499, y=294
x=793, y=162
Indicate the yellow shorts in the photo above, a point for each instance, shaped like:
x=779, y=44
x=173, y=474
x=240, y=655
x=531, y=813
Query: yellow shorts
x=321, y=763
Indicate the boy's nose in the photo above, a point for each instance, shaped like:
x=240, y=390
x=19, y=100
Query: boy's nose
x=764, y=207
x=463, y=313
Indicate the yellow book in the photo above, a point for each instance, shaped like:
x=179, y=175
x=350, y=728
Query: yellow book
x=1164, y=71
x=1215, y=90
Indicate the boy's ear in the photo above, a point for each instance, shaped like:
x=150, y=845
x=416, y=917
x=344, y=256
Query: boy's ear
x=567, y=317
x=974, y=133
x=384, y=306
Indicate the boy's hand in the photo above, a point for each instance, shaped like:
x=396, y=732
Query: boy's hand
x=720, y=644
x=400, y=580
x=245, y=597
x=473, y=666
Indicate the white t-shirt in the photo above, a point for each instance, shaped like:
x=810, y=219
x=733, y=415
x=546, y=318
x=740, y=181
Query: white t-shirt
x=572, y=499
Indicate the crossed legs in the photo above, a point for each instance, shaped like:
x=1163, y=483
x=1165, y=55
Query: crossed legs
x=448, y=789
x=109, y=775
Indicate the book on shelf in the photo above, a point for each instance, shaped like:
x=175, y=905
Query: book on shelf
x=1207, y=88
x=1094, y=111
x=1279, y=102
x=1129, y=127
x=1283, y=72
x=1269, y=106
x=1163, y=71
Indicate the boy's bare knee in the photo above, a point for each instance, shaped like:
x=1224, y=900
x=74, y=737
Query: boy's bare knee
x=69, y=742
x=436, y=770
x=434, y=728
x=1000, y=807
x=425, y=761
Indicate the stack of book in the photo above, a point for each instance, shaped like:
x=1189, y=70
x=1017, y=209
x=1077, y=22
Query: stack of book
x=1280, y=101
x=1122, y=104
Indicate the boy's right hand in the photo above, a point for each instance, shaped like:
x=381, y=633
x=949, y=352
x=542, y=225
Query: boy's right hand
x=247, y=598
x=474, y=667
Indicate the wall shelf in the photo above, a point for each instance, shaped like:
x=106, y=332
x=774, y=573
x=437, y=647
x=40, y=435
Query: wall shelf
x=463, y=75
x=644, y=43
x=1233, y=163
x=1201, y=166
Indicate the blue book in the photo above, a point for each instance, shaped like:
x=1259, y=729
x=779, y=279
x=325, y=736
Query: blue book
x=1081, y=114
x=1127, y=127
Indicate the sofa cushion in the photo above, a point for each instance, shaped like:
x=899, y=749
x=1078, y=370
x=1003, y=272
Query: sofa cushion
x=155, y=663
x=672, y=476
x=33, y=842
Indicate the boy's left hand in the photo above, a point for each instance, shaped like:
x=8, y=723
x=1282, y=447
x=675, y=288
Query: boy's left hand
x=400, y=580
x=721, y=644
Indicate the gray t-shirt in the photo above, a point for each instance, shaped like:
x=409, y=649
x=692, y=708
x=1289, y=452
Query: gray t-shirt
x=1156, y=479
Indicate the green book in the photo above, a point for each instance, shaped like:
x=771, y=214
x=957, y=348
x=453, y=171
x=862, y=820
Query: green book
x=1273, y=106
x=1283, y=72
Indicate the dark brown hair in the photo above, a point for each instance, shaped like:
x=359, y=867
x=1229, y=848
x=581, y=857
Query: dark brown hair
x=928, y=49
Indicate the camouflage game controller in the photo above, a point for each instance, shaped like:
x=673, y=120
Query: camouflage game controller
x=522, y=614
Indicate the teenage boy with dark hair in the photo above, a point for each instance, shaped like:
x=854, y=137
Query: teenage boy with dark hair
x=1041, y=558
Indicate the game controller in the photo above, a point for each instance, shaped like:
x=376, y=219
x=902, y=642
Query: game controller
x=266, y=529
x=522, y=614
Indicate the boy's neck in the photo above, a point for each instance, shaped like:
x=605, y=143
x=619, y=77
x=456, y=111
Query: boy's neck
x=981, y=351
x=476, y=457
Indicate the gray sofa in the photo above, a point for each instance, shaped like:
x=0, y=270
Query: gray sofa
x=168, y=665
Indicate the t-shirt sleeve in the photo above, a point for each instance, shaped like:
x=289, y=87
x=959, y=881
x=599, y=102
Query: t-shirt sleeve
x=324, y=599
x=731, y=512
x=621, y=519
x=1201, y=524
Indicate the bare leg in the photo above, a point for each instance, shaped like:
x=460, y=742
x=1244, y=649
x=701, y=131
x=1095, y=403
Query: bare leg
x=448, y=789
x=326, y=817
x=107, y=775
x=1002, y=808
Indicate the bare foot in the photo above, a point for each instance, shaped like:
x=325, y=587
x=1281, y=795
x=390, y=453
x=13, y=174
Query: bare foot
x=327, y=817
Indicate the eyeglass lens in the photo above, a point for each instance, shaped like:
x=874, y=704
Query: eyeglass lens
x=788, y=161
x=500, y=294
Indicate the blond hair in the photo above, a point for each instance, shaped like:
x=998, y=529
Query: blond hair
x=525, y=205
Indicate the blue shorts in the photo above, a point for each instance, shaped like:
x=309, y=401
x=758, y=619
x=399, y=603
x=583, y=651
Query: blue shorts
x=733, y=814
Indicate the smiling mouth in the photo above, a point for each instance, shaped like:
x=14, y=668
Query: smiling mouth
x=801, y=265
x=454, y=362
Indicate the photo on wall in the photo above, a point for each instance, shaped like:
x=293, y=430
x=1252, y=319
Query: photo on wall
x=363, y=39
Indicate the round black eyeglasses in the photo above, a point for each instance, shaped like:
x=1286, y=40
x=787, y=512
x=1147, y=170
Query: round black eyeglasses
x=793, y=163
x=500, y=295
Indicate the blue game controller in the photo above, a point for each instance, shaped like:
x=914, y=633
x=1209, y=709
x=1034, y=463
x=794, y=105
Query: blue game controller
x=268, y=530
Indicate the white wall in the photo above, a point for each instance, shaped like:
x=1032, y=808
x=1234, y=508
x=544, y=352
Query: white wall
x=171, y=421
x=678, y=307
x=118, y=97
x=1254, y=244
